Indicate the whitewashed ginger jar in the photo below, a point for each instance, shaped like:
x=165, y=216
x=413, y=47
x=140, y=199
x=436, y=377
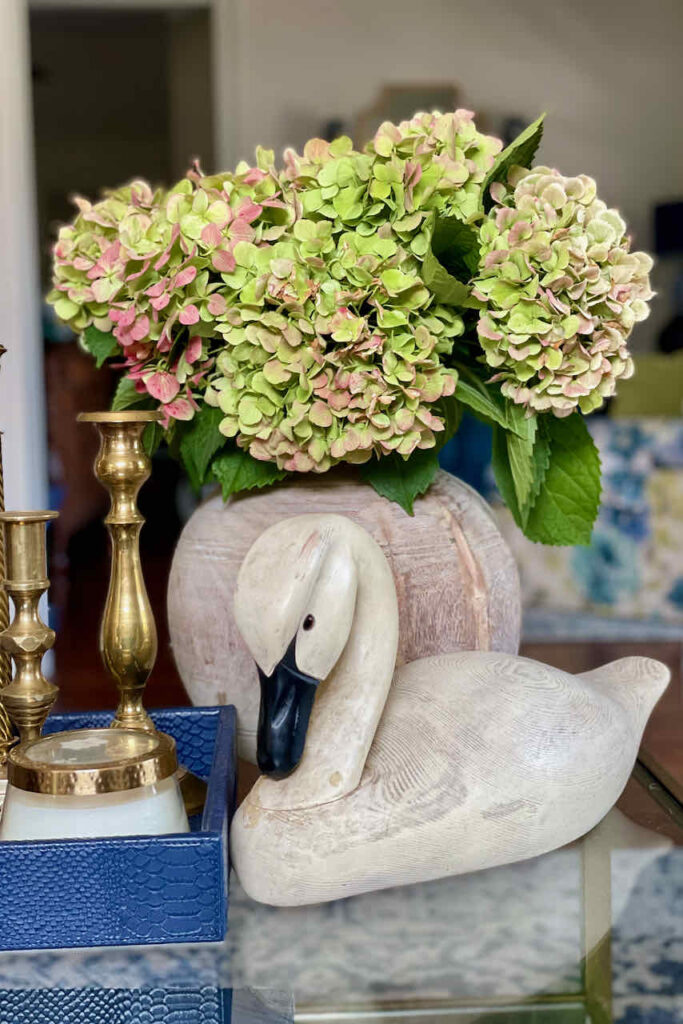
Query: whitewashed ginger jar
x=455, y=577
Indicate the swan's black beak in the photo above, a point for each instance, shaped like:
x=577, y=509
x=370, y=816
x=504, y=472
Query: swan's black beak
x=286, y=700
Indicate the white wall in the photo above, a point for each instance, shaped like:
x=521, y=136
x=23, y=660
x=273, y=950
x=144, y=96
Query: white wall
x=607, y=71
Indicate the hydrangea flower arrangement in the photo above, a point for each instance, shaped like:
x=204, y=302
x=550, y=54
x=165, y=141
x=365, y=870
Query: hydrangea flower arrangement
x=346, y=307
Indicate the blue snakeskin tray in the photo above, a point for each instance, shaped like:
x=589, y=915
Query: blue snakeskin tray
x=128, y=891
x=116, y=1006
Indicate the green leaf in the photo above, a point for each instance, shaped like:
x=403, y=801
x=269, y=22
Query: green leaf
x=450, y=411
x=175, y=431
x=446, y=288
x=519, y=153
x=519, y=467
x=152, y=436
x=237, y=471
x=500, y=463
x=456, y=246
x=540, y=462
x=568, y=500
x=488, y=404
x=200, y=442
x=520, y=456
x=126, y=397
x=518, y=421
x=554, y=492
x=450, y=261
x=483, y=402
x=402, y=480
x=99, y=344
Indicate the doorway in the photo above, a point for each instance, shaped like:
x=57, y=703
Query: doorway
x=117, y=94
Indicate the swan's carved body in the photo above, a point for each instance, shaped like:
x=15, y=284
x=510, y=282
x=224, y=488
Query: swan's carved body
x=458, y=762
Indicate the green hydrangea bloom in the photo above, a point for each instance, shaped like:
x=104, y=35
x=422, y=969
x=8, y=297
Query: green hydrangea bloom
x=562, y=292
x=291, y=300
x=349, y=362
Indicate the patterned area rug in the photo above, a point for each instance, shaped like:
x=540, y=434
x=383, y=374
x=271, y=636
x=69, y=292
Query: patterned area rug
x=513, y=932
x=647, y=942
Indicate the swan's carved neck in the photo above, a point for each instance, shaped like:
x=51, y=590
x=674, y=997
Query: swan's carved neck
x=349, y=703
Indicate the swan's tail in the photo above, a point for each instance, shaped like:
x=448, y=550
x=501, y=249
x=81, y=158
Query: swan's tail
x=635, y=683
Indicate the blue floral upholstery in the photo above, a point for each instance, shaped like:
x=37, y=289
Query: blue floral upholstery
x=634, y=566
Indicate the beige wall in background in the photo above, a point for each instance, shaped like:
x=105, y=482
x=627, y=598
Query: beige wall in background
x=609, y=73
x=190, y=103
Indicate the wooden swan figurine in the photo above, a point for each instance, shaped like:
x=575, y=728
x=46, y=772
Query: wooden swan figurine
x=376, y=776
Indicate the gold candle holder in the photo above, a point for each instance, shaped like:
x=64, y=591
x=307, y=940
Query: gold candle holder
x=29, y=697
x=128, y=637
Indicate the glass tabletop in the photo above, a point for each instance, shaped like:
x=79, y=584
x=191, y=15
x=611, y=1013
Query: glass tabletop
x=593, y=931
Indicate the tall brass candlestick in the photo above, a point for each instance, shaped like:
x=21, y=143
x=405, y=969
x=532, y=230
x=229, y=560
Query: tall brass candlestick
x=28, y=699
x=128, y=637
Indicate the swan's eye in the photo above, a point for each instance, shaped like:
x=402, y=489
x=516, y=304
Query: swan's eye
x=309, y=622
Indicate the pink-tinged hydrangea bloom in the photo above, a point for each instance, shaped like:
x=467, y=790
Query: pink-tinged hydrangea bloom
x=141, y=264
x=562, y=292
x=293, y=301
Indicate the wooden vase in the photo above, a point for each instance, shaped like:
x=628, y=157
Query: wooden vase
x=455, y=577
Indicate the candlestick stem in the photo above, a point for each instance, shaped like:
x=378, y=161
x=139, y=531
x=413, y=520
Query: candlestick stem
x=128, y=638
x=29, y=697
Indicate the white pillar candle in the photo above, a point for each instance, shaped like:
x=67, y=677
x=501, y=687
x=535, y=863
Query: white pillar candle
x=150, y=811
x=93, y=782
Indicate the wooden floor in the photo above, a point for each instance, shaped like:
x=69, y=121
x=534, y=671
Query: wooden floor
x=83, y=684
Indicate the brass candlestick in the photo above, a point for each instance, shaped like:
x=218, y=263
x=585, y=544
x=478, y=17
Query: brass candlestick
x=128, y=637
x=28, y=699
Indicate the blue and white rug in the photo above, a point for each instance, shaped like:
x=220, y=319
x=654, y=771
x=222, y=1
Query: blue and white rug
x=647, y=943
x=511, y=933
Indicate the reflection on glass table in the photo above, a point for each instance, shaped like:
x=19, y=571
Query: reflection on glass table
x=590, y=932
